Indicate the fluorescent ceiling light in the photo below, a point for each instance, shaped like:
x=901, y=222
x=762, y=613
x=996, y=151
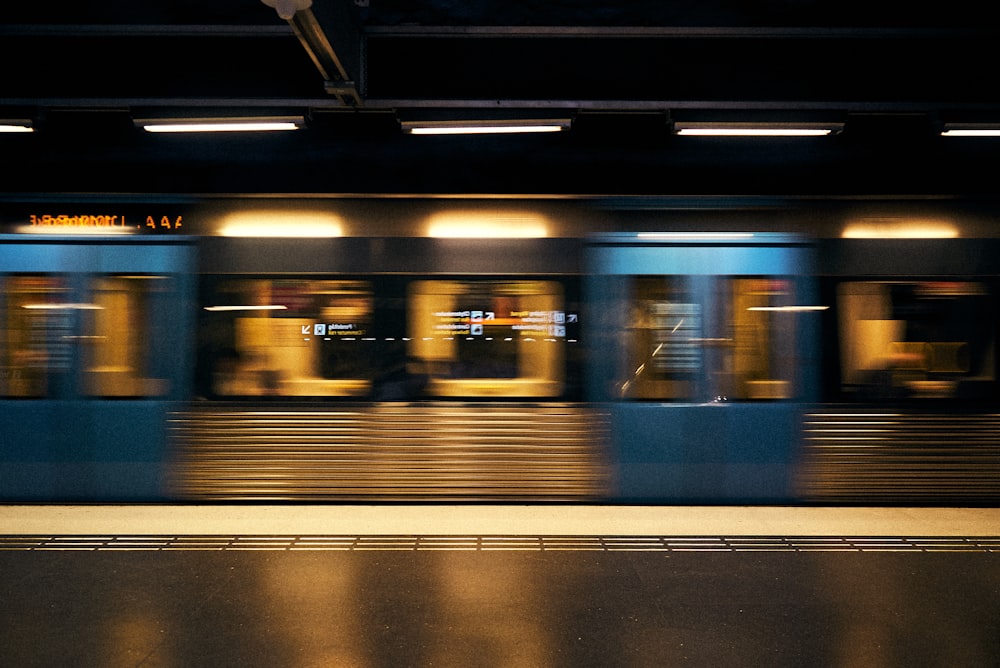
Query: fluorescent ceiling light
x=519, y=126
x=220, y=127
x=12, y=125
x=231, y=124
x=756, y=129
x=971, y=130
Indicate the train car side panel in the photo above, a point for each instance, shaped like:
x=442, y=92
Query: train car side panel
x=699, y=343
x=98, y=348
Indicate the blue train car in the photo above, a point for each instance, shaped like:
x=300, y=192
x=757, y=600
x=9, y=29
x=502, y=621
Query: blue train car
x=97, y=350
x=611, y=353
x=704, y=356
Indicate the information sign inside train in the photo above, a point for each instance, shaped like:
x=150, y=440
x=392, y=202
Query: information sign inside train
x=473, y=322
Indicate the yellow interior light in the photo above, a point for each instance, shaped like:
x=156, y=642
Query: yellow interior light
x=900, y=229
x=487, y=225
x=284, y=223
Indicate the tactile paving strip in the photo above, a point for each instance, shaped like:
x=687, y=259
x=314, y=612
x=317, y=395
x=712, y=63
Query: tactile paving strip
x=510, y=543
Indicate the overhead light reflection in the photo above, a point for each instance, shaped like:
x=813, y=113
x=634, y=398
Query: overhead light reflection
x=706, y=236
x=789, y=309
x=281, y=223
x=247, y=307
x=487, y=225
x=900, y=229
x=62, y=306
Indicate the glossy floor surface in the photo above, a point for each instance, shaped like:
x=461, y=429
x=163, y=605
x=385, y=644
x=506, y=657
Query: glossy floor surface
x=159, y=586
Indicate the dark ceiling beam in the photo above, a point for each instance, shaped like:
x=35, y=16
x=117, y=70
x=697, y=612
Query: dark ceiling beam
x=697, y=32
x=847, y=106
x=388, y=104
x=143, y=30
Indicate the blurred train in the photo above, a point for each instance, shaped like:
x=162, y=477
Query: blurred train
x=542, y=350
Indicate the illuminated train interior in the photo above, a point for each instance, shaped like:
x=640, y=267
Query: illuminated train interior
x=564, y=349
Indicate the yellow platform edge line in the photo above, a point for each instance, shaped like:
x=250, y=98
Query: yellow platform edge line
x=494, y=520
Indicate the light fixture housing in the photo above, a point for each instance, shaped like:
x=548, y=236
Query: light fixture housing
x=16, y=125
x=756, y=129
x=221, y=124
x=287, y=8
x=485, y=126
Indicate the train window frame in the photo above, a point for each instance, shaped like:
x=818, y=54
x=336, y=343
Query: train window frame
x=237, y=358
x=534, y=334
x=396, y=371
x=914, y=370
x=47, y=360
x=722, y=359
x=120, y=337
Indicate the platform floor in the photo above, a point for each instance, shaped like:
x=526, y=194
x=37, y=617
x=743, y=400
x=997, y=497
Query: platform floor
x=493, y=586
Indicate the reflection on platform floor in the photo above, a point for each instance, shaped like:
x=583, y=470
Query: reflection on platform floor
x=492, y=586
x=516, y=608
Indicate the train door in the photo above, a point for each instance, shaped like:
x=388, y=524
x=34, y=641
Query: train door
x=704, y=350
x=95, y=351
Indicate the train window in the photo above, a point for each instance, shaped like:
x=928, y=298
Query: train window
x=489, y=338
x=663, y=330
x=297, y=337
x=707, y=338
x=764, y=312
x=916, y=339
x=37, y=326
x=119, y=342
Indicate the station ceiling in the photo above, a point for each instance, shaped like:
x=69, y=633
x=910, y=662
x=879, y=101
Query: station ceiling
x=624, y=73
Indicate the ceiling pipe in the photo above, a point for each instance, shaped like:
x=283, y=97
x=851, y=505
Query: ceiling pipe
x=307, y=28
